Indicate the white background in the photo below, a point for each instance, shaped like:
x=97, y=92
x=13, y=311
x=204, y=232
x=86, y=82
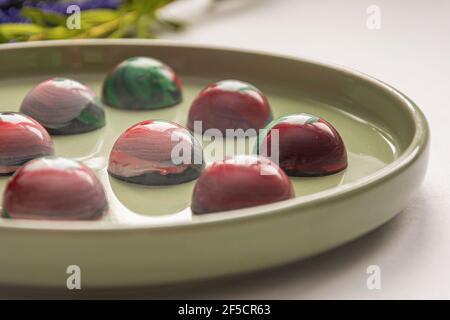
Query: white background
x=411, y=51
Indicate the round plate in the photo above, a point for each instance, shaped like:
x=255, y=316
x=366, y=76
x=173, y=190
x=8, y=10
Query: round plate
x=150, y=236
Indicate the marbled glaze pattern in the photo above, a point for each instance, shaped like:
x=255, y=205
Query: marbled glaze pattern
x=21, y=140
x=240, y=182
x=52, y=188
x=308, y=146
x=230, y=104
x=156, y=152
x=141, y=83
x=64, y=106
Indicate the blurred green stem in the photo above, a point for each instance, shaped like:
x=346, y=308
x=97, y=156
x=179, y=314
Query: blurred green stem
x=136, y=18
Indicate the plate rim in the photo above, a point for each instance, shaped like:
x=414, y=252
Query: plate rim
x=416, y=148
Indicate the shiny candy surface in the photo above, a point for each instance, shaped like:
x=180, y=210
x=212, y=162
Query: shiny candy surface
x=240, y=182
x=230, y=104
x=308, y=145
x=141, y=83
x=21, y=140
x=156, y=152
x=52, y=188
x=64, y=106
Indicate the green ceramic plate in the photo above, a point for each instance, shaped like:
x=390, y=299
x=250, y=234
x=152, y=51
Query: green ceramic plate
x=151, y=236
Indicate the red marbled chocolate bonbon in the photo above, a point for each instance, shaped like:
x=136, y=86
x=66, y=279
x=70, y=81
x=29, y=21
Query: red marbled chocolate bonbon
x=144, y=154
x=308, y=146
x=52, y=188
x=230, y=104
x=21, y=140
x=240, y=182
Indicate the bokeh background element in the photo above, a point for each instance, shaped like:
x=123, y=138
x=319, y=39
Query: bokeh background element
x=28, y=20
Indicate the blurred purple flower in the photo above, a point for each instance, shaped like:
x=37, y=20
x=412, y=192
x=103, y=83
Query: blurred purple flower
x=10, y=9
x=61, y=6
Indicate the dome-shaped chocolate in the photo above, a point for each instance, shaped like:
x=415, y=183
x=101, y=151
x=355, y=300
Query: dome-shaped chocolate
x=156, y=152
x=141, y=83
x=21, y=140
x=240, y=182
x=230, y=104
x=307, y=145
x=53, y=188
x=64, y=106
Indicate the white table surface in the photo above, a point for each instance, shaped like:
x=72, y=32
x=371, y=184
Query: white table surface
x=411, y=51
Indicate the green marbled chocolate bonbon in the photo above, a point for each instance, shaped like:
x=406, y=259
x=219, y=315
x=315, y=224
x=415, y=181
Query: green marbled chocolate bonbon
x=141, y=83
